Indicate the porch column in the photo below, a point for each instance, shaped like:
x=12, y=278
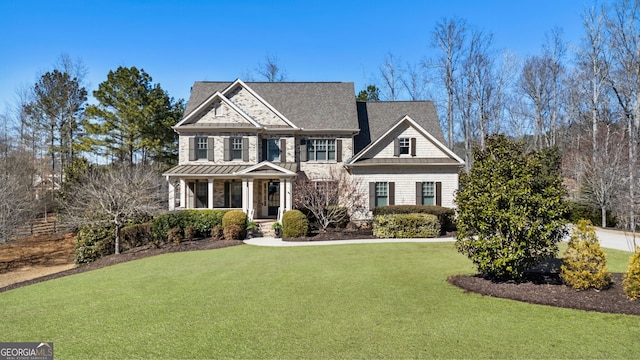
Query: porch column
x=289, y=199
x=285, y=194
x=172, y=195
x=183, y=194
x=250, y=205
x=245, y=196
x=210, y=193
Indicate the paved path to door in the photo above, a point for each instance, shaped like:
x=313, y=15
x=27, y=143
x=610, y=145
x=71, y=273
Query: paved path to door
x=611, y=239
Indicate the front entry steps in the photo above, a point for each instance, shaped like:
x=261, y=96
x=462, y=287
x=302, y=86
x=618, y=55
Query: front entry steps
x=264, y=227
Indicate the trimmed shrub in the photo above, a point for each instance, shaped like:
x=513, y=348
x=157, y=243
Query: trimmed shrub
x=232, y=232
x=579, y=210
x=446, y=216
x=238, y=218
x=202, y=220
x=93, y=242
x=585, y=265
x=406, y=226
x=136, y=235
x=631, y=281
x=190, y=232
x=294, y=224
x=217, y=233
x=175, y=235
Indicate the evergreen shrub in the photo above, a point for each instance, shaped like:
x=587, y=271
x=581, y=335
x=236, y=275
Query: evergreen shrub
x=232, y=232
x=237, y=218
x=585, y=265
x=446, y=216
x=175, y=235
x=406, y=226
x=94, y=242
x=631, y=281
x=294, y=224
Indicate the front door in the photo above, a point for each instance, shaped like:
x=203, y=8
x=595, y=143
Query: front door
x=270, y=198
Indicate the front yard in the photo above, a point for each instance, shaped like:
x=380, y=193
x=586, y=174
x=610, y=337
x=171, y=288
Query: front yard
x=347, y=301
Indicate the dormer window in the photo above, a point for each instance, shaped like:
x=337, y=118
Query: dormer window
x=404, y=146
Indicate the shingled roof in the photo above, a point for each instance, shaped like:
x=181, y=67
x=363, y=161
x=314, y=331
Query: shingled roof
x=309, y=105
x=375, y=118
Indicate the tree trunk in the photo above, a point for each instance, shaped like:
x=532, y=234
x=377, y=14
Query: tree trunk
x=117, y=239
x=604, y=216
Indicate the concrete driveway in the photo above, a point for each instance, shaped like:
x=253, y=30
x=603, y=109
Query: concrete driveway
x=620, y=240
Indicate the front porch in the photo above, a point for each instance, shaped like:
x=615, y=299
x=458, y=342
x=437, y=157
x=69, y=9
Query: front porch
x=263, y=191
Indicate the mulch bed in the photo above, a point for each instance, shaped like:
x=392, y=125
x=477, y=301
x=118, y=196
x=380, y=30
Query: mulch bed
x=543, y=286
x=133, y=254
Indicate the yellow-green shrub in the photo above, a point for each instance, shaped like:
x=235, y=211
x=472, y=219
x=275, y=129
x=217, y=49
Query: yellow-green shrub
x=406, y=226
x=585, y=265
x=294, y=224
x=631, y=281
x=238, y=218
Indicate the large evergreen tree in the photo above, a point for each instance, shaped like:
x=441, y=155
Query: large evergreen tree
x=133, y=119
x=510, y=208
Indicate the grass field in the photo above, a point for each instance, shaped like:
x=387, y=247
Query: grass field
x=344, y=301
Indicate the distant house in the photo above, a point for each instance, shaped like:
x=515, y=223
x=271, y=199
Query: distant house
x=242, y=145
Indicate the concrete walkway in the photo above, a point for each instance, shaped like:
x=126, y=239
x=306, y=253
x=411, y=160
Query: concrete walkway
x=269, y=241
x=611, y=239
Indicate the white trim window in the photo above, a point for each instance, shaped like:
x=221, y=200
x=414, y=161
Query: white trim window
x=382, y=194
x=236, y=148
x=428, y=193
x=405, y=145
x=321, y=149
x=201, y=148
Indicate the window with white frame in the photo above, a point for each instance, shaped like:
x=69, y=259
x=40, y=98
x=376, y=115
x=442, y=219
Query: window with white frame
x=236, y=148
x=428, y=193
x=405, y=145
x=382, y=194
x=201, y=148
x=321, y=149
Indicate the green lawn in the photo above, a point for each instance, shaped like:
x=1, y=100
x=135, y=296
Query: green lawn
x=344, y=301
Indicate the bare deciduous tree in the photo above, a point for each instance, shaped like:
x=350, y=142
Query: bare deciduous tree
x=391, y=78
x=113, y=196
x=449, y=37
x=271, y=70
x=332, y=200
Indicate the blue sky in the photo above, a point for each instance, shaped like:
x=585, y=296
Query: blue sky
x=179, y=42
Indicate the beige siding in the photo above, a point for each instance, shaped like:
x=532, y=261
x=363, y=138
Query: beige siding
x=405, y=182
x=255, y=108
x=424, y=147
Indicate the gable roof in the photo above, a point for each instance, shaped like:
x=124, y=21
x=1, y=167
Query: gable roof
x=376, y=117
x=217, y=96
x=407, y=119
x=308, y=105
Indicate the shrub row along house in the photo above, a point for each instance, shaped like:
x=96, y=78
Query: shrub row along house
x=242, y=145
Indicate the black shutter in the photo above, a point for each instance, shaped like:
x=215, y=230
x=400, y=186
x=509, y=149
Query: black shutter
x=418, y=193
x=396, y=147
x=392, y=193
x=283, y=150
x=439, y=193
x=372, y=195
x=210, y=149
x=413, y=146
x=339, y=150
x=245, y=149
x=192, y=149
x=303, y=150
x=227, y=149
x=264, y=149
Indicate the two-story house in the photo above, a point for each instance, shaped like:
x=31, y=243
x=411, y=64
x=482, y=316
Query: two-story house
x=242, y=145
